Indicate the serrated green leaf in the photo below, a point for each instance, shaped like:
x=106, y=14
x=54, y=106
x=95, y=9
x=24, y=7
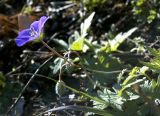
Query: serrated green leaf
x=100, y=64
x=112, y=98
x=129, y=85
x=59, y=88
x=154, y=52
x=153, y=64
x=151, y=89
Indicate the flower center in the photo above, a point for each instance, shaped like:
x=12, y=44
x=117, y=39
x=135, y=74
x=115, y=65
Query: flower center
x=33, y=32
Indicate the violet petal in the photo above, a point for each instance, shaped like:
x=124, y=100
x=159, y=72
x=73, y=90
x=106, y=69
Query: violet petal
x=42, y=21
x=24, y=37
x=32, y=33
x=35, y=27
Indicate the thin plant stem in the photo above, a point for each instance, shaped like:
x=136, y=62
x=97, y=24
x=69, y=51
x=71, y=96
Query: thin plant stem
x=60, y=72
x=59, y=55
x=78, y=66
x=68, y=87
x=51, y=49
x=92, y=70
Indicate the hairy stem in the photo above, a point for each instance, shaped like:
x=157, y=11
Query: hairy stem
x=59, y=55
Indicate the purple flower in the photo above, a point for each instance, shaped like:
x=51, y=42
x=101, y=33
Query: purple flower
x=31, y=33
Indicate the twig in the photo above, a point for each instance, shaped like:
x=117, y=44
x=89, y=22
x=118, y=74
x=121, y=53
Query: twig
x=17, y=68
x=27, y=84
x=78, y=108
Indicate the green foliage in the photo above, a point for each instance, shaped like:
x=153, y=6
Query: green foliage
x=78, y=44
x=57, y=65
x=125, y=99
x=101, y=63
x=112, y=98
x=145, y=9
x=154, y=52
x=96, y=59
x=91, y=4
x=92, y=64
x=112, y=45
x=139, y=45
x=155, y=62
x=151, y=89
x=86, y=25
x=59, y=88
